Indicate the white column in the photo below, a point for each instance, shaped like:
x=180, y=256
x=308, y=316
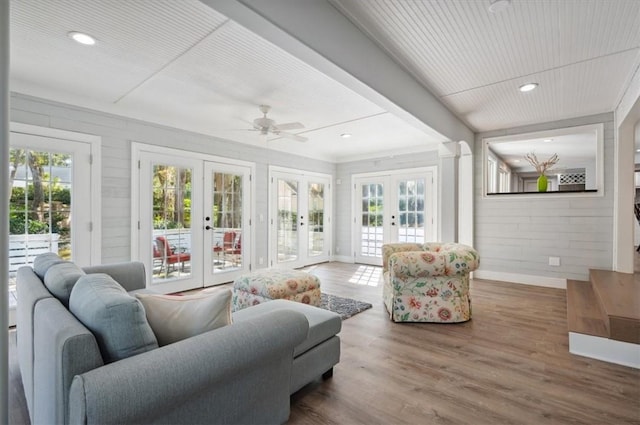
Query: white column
x=449, y=154
x=624, y=192
x=4, y=210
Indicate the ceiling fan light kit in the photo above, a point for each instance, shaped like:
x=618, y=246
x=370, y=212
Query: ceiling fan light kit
x=268, y=126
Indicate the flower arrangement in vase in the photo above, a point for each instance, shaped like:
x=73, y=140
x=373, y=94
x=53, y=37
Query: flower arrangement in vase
x=542, y=168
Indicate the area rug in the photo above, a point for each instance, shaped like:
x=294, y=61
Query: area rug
x=345, y=307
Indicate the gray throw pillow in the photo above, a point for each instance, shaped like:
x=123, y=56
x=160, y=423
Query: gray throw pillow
x=60, y=279
x=43, y=261
x=115, y=318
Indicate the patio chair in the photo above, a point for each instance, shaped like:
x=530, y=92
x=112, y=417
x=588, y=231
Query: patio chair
x=170, y=256
x=235, y=249
x=227, y=244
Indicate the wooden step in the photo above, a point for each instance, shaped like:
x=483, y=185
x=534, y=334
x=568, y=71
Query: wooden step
x=618, y=295
x=584, y=314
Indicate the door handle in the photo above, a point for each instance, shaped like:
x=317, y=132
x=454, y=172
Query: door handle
x=207, y=227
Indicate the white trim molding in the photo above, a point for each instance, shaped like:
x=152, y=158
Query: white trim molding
x=607, y=350
x=548, y=282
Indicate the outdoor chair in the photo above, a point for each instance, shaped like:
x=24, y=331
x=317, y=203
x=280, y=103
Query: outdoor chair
x=170, y=255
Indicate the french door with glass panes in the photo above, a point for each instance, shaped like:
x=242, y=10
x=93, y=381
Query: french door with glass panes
x=51, y=205
x=194, y=220
x=300, y=225
x=398, y=207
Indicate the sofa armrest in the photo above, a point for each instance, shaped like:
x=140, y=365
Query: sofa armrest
x=131, y=275
x=236, y=374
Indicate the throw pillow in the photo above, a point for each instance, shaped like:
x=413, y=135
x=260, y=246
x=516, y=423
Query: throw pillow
x=175, y=317
x=43, y=261
x=60, y=279
x=115, y=318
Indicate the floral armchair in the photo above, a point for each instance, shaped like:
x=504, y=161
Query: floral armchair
x=428, y=282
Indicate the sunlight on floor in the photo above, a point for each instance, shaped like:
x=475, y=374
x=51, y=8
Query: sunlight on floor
x=367, y=275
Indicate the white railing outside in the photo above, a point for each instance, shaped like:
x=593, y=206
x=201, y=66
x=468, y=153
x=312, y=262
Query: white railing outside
x=24, y=248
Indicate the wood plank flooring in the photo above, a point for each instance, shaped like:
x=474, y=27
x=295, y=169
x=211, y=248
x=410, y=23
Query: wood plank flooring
x=509, y=365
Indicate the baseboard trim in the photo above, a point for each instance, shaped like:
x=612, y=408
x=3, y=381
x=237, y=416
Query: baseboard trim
x=548, y=282
x=607, y=350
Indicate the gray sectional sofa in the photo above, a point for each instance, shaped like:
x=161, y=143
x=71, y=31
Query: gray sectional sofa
x=240, y=373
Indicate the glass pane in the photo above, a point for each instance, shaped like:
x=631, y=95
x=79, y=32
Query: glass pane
x=372, y=212
x=411, y=223
x=171, y=222
x=226, y=217
x=316, y=219
x=287, y=229
x=39, y=206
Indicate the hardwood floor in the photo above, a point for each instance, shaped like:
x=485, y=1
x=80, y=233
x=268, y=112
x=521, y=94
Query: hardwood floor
x=509, y=365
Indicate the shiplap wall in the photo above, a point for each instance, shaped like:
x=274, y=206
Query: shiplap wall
x=513, y=236
x=117, y=133
x=518, y=235
x=343, y=193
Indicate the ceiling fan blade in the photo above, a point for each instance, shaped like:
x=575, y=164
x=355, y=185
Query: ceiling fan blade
x=293, y=137
x=289, y=126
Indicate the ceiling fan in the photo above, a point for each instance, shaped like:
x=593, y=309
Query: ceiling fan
x=268, y=126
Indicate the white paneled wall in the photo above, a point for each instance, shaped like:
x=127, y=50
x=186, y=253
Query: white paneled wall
x=117, y=134
x=517, y=235
x=514, y=236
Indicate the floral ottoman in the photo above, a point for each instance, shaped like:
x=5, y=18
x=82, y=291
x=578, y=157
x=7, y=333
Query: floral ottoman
x=270, y=284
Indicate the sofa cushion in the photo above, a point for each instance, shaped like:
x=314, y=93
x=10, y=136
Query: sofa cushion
x=116, y=319
x=323, y=324
x=43, y=261
x=175, y=317
x=60, y=279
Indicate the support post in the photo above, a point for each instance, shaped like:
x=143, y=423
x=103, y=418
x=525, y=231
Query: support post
x=4, y=210
x=449, y=154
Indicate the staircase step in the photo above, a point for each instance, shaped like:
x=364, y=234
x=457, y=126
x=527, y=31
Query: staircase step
x=584, y=314
x=619, y=298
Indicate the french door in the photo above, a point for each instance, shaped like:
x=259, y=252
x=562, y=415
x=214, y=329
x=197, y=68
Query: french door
x=194, y=220
x=51, y=205
x=398, y=207
x=300, y=223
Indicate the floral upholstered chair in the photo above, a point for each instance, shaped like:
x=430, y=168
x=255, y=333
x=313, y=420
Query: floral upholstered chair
x=428, y=282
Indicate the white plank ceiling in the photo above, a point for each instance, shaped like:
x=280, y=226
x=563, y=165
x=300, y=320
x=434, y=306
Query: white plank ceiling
x=582, y=53
x=185, y=65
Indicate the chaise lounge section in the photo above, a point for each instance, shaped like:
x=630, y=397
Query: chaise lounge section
x=239, y=373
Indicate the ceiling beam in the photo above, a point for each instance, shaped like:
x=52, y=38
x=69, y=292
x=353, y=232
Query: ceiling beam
x=317, y=33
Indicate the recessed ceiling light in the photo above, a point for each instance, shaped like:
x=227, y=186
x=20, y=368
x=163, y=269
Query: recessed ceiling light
x=82, y=38
x=345, y=135
x=516, y=160
x=548, y=140
x=528, y=87
x=498, y=6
